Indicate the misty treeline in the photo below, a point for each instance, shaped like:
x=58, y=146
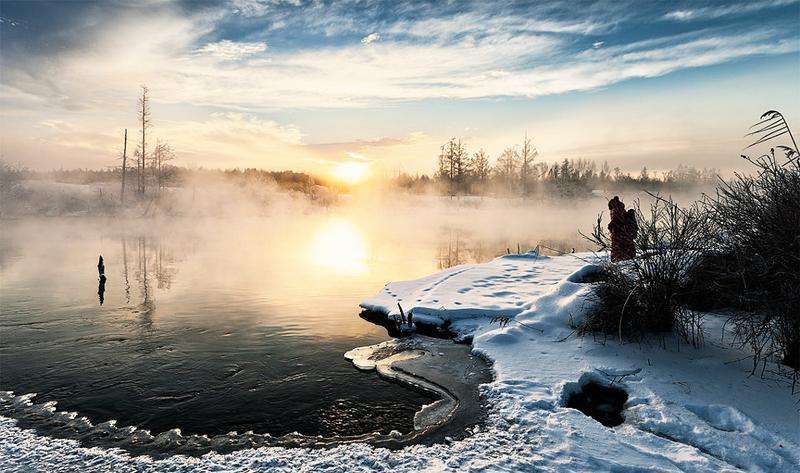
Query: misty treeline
x=172, y=176
x=735, y=251
x=517, y=171
x=97, y=192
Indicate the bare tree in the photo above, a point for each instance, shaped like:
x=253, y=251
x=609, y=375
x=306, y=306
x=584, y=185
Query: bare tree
x=480, y=168
x=526, y=156
x=124, y=167
x=143, y=115
x=453, y=165
x=161, y=155
x=506, y=168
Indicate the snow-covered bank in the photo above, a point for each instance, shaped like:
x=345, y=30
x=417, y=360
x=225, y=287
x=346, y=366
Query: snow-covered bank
x=688, y=409
x=690, y=406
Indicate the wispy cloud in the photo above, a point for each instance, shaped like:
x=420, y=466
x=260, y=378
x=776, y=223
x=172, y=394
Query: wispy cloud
x=256, y=8
x=370, y=38
x=718, y=11
x=467, y=55
x=218, y=59
x=230, y=50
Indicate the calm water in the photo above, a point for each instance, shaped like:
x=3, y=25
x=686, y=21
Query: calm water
x=211, y=326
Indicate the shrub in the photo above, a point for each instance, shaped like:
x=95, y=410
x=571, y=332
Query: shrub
x=647, y=294
x=758, y=271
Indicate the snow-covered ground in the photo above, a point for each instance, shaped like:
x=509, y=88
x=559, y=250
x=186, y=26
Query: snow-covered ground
x=688, y=409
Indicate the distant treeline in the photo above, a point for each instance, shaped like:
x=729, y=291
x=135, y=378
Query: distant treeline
x=517, y=173
x=175, y=176
x=174, y=191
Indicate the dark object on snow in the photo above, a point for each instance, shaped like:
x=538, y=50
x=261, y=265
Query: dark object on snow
x=602, y=403
x=623, y=230
x=101, y=286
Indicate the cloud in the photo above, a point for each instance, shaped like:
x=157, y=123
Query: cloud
x=257, y=8
x=231, y=51
x=313, y=65
x=370, y=38
x=249, y=8
x=228, y=127
x=462, y=56
x=466, y=55
x=681, y=15
x=713, y=12
x=232, y=138
x=360, y=149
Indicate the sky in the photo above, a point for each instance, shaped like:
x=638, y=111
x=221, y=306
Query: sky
x=325, y=86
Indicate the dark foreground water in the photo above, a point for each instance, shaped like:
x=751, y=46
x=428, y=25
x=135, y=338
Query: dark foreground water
x=211, y=326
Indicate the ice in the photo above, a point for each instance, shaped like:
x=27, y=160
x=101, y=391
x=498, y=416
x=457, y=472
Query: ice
x=689, y=409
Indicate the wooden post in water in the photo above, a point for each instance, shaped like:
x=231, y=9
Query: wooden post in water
x=101, y=285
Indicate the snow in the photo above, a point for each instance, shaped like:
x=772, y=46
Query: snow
x=689, y=409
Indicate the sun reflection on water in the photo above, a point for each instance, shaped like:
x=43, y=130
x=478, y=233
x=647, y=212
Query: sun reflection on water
x=339, y=246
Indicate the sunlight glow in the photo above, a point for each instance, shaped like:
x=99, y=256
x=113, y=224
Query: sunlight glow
x=350, y=172
x=339, y=246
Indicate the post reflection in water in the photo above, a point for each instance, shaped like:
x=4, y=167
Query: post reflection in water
x=125, y=271
x=101, y=288
x=153, y=262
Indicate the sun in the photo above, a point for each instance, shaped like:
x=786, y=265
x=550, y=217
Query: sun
x=350, y=172
x=340, y=247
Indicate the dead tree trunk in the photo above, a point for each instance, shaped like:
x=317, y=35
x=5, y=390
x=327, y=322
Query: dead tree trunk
x=144, y=120
x=124, y=164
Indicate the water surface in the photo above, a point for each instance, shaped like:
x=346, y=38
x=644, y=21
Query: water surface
x=212, y=326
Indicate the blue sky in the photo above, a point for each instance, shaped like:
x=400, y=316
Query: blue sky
x=310, y=85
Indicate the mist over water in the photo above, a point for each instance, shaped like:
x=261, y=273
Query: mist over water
x=239, y=322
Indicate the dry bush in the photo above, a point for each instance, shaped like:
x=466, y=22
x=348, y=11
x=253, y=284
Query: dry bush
x=647, y=295
x=758, y=267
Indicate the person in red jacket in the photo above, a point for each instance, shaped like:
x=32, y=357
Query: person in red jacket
x=623, y=230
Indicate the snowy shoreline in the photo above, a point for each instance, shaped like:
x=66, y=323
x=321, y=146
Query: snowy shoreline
x=687, y=410
x=697, y=406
